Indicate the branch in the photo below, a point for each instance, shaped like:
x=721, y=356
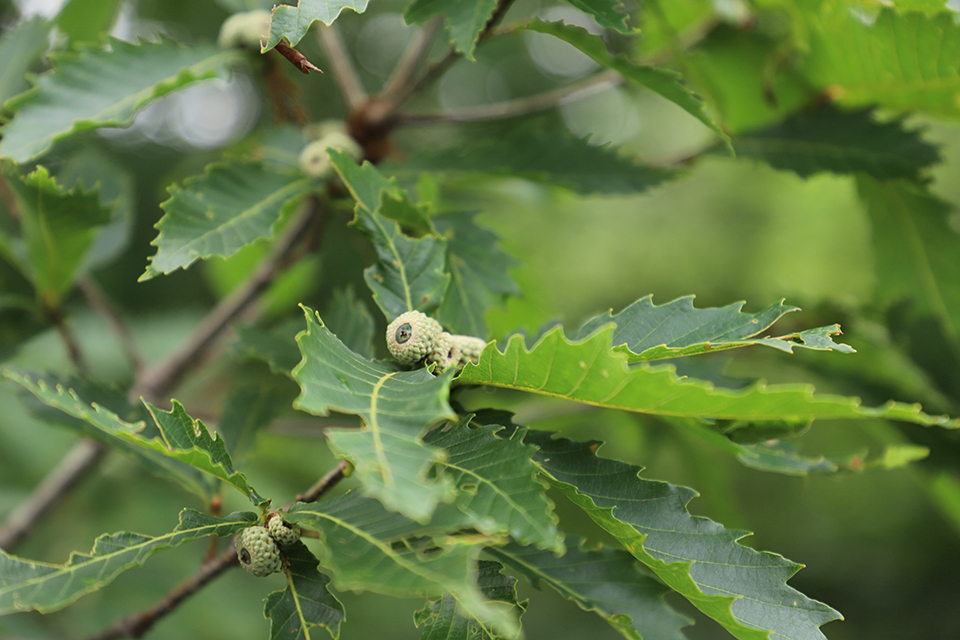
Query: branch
x=414, y=55
x=344, y=73
x=323, y=485
x=98, y=300
x=520, y=106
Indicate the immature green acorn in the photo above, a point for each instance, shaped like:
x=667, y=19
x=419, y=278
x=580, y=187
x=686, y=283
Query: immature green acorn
x=244, y=30
x=314, y=160
x=282, y=532
x=411, y=336
x=257, y=551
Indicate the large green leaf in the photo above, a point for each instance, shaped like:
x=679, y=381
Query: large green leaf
x=305, y=603
x=369, y=548
x=465, y=20
x=19, y=49
x=742, y=589
x=661, y=81
x=409, y=274
x=899, y=61
x=443, y=619
x=102, y=88
x=499, y=490
x=27, y=585
x=590, y=371
x=555, y=157
x=645, y=331
x=828, y=139
x=397, y=407
x=479, y=274
x=58, y=228
x=602, y=580
x=916, y=248
x=292, y=23
x=220, y=212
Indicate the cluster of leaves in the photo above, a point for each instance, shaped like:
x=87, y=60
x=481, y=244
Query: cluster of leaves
x=449, y=496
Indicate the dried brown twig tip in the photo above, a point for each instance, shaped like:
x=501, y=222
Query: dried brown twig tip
x=296, y=58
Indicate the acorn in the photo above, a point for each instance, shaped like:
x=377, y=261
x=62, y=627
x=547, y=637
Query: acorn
x=411, y=336
x=257, y=551
x=282, y=532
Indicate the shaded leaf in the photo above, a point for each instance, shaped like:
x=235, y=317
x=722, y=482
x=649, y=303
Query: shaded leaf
x=742, y=589
x=397, y=407
x=369, y=548
x=102, y=88
x=498, y=487
x=220, y=212
x=87, y=20
x=605, y=581
x=251, y=407
x=479, y=274
x=292, y=23
x=553, y=157
x=409, y=274
x=609, y=14
x=916, y=248
x=278, y=347
x=20, y=47
x=660, y=81
x=443, y=619
x=465, y=20
x=349, y=320
x=58, y=229
x=840, y=142
x=589, y=371
x=305, y=603
x=27, y=585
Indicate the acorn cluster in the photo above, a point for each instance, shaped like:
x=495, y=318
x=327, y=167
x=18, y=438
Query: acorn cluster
x=258, y=547
x=413, y=336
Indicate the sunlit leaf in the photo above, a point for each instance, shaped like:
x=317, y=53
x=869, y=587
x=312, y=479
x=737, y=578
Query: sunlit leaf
x=292, y=23
x=305, y=603
x=465, y=20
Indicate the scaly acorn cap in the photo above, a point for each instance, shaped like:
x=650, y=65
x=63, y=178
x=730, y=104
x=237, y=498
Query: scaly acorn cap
x=257, y=551
x=282, y=532
x=410, y=337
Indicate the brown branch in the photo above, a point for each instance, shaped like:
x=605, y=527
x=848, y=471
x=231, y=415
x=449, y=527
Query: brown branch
x=104, y=307
x=344, y=73
x=324, y=484
x=412, y=57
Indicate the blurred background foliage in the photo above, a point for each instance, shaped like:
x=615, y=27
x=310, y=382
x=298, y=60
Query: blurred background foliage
x=881, y=546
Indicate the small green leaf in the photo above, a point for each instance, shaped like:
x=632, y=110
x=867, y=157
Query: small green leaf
x=605, y=581
x=102, y=88
x=369, y=548
x=305, y=603
x=590, y=371
x=397, y=407
x=250, y=408
x=292, y=23
x=609, y=14
x=444, y=619
x=58, y=229
x=742, y=589
x=661, y=81
x=840, y=142
x=479, y=274
x=87, y=20
x=465, y=20
x=220, y=212
x=349, y=320
x=27, y=585
x=277, y=347
x=498, y=487
x=20, y=47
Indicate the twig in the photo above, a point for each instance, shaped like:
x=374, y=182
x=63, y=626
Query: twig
x=98, y=300
x=345, y=74
x=520, y=106
x=296, y=58
x=157, y=382
x=414, y=55
x=78, y=462
x=74, y=353
x=324, y=484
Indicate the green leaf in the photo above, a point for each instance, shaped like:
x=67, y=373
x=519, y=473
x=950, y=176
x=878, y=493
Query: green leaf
x=645, y=331
x=397, y=407
x=916, y=248
x=28, y=585
x=901, y=61
x=20, y=47
x=409, y=274
x=609, y=14
x=102, y=88
x=349, y=320
x=605, y=581
x=94, y=420
x=371, y=549
x=87, y=20
x=188, y=440
x=479, y=274
x=590, y=371
x=661, y=81
x=251, y=407
x=840, y=142
x=742, y=589
x=465, y=20
x=220, y=212
x=498, y=487
x=444, y=619
x=305, y=603
x=277, y=347
x=292, y=23
x=552, y=157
